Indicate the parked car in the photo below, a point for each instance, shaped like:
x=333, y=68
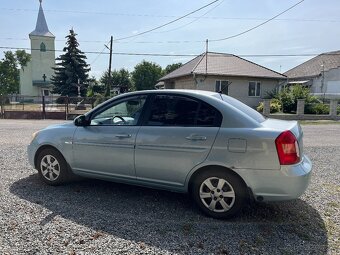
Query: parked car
x=208, y=144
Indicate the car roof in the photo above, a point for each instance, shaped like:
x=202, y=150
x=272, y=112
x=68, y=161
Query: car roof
x=176, y=91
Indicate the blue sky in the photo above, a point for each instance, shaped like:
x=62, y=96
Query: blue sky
x=311, y=27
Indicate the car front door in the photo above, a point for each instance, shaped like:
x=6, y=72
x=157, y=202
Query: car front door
x=106, y=147
x=177, y=134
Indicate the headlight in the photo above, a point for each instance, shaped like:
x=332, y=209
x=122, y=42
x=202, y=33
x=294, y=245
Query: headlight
x=34, y=135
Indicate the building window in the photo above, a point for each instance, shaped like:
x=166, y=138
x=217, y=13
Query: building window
x=221, y=86
x=42, y=47
x=254, y=89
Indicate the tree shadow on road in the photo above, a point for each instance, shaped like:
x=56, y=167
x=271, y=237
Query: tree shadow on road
x=170, y=221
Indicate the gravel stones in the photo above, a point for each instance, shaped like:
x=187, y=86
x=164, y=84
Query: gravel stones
x=97, y=217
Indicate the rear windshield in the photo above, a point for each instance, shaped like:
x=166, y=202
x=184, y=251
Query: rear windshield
x=244, y=108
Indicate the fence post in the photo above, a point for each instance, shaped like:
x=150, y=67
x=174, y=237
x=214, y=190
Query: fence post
x=333, y=107
x=2, y=107
x=266, y=107
x=43, y=108
x=300, y=108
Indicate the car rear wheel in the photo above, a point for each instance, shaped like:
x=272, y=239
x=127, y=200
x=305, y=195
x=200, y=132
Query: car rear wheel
x=218, y=193
x=52, y=167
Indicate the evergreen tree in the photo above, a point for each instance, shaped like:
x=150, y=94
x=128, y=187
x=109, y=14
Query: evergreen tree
x=70, y=69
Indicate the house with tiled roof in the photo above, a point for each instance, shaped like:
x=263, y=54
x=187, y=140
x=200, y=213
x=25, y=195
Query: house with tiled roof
x=321, y=74
x=233, y=75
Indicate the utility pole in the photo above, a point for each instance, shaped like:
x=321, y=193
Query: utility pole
x=206, y=56
x=323, y=82
x=108, y=85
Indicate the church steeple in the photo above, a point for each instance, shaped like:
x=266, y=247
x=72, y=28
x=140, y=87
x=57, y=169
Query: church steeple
x=41, y=28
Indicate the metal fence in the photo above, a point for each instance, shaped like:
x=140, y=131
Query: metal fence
x=45, y=107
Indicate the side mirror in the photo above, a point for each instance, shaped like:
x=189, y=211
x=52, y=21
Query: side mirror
x=81, y=121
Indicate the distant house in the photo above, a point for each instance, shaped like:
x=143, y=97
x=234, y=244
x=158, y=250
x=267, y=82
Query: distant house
x=233, y=75
x=321, y=74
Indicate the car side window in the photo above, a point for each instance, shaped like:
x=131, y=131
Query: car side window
x=167, y=110
x=208, y=116
x=125, y=113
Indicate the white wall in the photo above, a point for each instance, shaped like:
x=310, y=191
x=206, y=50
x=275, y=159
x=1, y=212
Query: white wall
x=331, y=82
x=238, y=89
x=41, y=63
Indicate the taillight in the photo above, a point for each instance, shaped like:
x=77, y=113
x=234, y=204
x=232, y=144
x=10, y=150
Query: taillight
x=287, y=148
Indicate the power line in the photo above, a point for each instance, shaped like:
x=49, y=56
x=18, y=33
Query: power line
x=160, y=16
x=257, y=26
x=201, y=41
x=185, y=55
x=100, y=53
x=196, y=19
x=166, y=24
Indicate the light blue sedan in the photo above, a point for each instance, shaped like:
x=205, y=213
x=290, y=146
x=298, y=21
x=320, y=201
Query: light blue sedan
x=208, y=144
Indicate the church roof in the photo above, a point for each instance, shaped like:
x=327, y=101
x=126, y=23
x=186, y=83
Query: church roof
x=41, y=28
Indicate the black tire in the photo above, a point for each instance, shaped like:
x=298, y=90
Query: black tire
x=52, y=167
x=232, y=185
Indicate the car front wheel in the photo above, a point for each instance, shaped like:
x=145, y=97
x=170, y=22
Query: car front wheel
x=52, y=167
x=218, y=193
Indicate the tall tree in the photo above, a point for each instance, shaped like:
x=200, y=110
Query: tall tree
x=119, y=78
x=9, y=71
x=146, y=75
x=172, y=67
x=71, y=69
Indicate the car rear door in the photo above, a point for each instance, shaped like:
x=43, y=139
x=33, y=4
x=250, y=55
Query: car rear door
x=177, y=134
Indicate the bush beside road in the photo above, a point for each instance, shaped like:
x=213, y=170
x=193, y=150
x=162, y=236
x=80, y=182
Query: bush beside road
x=92, y=216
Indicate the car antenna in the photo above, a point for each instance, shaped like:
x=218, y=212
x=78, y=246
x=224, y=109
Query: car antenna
x=225, y=87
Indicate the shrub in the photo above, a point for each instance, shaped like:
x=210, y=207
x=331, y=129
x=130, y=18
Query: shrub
x=289, y=96
x=275, y=106
x=287, y=101
x=318, y=108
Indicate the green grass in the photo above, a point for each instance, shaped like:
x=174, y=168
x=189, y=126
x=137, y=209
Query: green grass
x=318, y=122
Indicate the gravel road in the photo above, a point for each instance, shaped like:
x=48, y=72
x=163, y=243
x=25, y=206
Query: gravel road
x=97, y=217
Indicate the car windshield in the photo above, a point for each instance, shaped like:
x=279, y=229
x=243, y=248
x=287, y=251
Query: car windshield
x=244, y=108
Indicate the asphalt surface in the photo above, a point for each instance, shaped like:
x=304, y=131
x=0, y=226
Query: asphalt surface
x=97, y=217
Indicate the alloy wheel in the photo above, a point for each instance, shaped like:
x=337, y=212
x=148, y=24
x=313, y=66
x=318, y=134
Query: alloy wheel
x=50, y=167
x=217, y=194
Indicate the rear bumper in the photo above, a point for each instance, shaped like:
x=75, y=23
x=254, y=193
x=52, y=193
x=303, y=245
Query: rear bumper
x=290, y=182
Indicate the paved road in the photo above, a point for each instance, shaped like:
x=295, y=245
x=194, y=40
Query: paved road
x=92, y=216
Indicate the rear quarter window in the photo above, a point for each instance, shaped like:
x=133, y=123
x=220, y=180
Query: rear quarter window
x=243, y=108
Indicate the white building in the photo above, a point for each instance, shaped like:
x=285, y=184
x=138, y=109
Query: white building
x=321, y=74
x=35, y=78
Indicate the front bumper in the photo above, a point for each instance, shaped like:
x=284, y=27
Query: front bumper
x=31, y=150
x=290, y=182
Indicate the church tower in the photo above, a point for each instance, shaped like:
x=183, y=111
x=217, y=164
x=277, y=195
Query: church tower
x=35, y=78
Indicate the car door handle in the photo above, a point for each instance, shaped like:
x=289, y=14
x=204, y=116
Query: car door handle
x=196, y=138
x=123, y=135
